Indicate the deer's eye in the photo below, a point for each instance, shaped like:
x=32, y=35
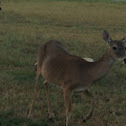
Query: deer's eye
x=115, y=48
x=125, y=48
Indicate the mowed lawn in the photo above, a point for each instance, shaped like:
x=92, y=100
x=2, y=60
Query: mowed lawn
x=24, y=25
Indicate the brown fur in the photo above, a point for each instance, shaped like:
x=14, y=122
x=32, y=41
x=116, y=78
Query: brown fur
x=73, y=73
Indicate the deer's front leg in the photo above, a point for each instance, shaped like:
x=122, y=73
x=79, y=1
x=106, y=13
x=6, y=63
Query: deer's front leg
x=90, y=96
x=67, y=98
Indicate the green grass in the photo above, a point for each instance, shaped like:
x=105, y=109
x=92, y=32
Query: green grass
x=24, y=25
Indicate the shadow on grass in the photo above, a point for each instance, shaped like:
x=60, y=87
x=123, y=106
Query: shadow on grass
x=8, y=119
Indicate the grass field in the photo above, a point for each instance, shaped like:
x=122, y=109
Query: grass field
x=24, y=25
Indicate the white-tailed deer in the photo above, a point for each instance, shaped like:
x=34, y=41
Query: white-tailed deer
x=72, y=73
x=87, y=59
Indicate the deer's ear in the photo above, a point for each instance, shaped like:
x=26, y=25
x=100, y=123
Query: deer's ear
x=106, y=36
x=124, y=40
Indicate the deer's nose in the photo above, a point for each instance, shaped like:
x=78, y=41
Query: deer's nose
x=125, y=60
x=0, y=8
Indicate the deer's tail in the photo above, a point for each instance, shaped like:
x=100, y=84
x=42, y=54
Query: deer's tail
x=40, y=59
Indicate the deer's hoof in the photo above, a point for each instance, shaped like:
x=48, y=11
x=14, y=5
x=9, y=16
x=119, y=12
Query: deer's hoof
x=84, y=120
x=51, y=116
x=87, y=117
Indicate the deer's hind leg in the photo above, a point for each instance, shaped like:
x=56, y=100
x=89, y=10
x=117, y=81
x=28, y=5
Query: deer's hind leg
x=90, y=96
x=50, y=113
x=38, y=73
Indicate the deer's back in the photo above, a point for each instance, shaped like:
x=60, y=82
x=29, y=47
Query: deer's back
x=60, y=67
x=49, y=49
x=54, y=48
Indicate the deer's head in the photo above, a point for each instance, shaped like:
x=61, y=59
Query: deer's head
x=117, y=47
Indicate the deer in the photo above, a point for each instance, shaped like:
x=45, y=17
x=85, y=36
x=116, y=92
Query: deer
x=85, y=58
x=72, y=73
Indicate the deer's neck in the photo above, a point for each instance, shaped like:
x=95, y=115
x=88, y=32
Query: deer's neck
x=101, y=67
